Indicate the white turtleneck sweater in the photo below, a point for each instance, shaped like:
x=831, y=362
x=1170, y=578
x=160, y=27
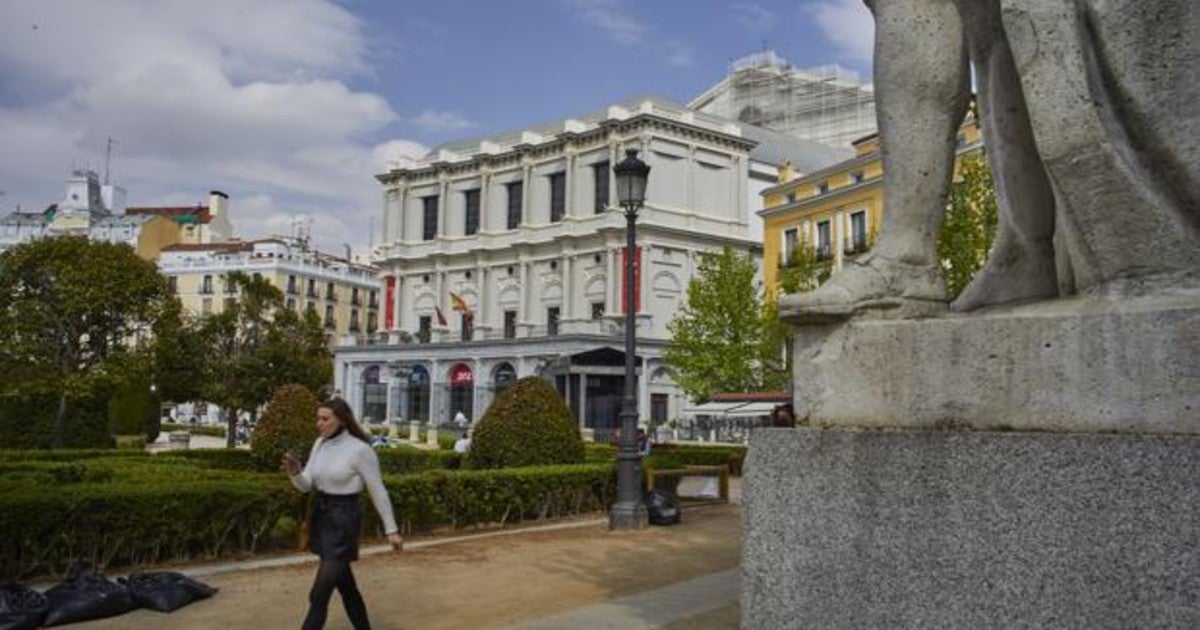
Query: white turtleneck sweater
x=343, y=465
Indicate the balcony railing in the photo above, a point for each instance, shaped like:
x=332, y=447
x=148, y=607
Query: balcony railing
x=856, y=246
x=330, y=323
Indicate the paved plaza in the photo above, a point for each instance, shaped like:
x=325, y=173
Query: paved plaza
x=569, y=574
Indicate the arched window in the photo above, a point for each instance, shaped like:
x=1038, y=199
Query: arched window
x=374, y=396
x=418, y=394
x=462, y=392
x=503, y=376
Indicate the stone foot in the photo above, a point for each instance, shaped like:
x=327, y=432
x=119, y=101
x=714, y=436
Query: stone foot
x=1012, y=275
x=872, y=284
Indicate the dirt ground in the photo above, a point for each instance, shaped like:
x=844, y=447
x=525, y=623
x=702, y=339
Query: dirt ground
x=485, y=583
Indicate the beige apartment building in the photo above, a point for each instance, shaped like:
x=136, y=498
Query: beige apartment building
x=345, y=295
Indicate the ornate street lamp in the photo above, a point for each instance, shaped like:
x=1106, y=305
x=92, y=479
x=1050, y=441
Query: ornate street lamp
x=629, y=512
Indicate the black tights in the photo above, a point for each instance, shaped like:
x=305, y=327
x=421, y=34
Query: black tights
x=335, y=574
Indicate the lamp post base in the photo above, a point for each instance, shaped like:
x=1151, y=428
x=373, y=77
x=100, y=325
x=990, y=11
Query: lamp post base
x=628, y=515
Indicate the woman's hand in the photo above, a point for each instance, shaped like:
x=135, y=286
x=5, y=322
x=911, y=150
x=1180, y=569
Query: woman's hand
x=291, y=464
x=397, y=541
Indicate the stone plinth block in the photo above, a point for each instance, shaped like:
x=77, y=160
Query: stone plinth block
x=920, y=529
x=1075, y=364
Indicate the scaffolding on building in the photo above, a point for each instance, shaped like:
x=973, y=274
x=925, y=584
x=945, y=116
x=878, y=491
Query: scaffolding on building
x=827, y=104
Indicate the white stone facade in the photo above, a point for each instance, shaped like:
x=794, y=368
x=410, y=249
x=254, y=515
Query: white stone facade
x=544, y=284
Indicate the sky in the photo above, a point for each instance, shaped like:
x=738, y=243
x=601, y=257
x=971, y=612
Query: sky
x=292, y=106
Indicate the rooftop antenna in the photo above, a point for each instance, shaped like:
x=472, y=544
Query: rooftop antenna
x=107, y=158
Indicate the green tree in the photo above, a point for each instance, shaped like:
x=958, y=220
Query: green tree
x=970, y=224
x=527, y=425
x=723, y=339
x=254, y=346
x=805, y=271
x=288, y=424
x=73, y=315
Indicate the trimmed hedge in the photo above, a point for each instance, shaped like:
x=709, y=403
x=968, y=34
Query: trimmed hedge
x=527, y=425
x=67, y=454
x=678, y=455
x=403, y=460
x=286, y=425
x=125, y=523
x=223, y=459
x=104, y=512
x=462, y=498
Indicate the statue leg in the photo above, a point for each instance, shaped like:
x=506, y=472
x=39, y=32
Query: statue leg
x=1021, y=264
x=921, y=97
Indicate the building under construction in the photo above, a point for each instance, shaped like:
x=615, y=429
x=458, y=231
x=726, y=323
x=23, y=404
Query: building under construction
x=827, y=104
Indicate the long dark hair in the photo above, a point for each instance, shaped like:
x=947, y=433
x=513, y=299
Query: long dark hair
x=345, y=414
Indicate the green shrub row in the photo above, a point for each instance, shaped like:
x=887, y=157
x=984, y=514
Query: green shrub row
x=67, y=454
x=463, y=498
x=119, y=518
x=403, y=460
x=679, y=455
x=129, y=523
x=221, y=458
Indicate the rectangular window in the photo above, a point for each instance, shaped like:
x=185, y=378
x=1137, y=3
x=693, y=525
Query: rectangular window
x=597, y=310
x=658, y=408
x=173, y=282
x=791, y=196
x=471, y=197
x=824, y=245
x=329, y=292
x=822, y=188
x=558, y=197
x=230, y=303
x=372, y=322
x=291, y=304
x=430, y=218
x=600, y=176
x=291, y=285
x=312, y=288
x=354, y=320
x=206, y=285
x=510, y=324
x=858, y=231
x=424, y=328
x=552, y=314
x=230, y=287
x=857, y=177
x=516, y=192
x=790, y=239
x=329, y=321
x=467, y=326
x=206, y=306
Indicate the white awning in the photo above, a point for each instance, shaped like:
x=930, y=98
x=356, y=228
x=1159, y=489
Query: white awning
x=731, y=409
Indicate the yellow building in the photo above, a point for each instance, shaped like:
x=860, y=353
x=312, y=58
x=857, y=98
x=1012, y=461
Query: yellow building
x=345, y=295
x=836, y=211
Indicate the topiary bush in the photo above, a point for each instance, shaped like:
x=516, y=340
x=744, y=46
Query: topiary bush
x=527, y=425
x=287, y=424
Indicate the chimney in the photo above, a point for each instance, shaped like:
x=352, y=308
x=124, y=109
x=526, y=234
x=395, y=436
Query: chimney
x=218, y=203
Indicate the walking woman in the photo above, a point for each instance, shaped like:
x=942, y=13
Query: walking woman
x=340, y=465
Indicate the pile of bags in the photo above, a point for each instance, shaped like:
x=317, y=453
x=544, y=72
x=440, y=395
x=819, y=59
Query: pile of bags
x=85, y=595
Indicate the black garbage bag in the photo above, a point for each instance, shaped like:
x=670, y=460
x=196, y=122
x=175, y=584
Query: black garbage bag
x=21, y=608
x=663, y=507
x=166, y=590
x=86, y=595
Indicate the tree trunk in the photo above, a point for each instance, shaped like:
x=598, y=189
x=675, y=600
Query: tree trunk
x=230, y=428
x=60, y=422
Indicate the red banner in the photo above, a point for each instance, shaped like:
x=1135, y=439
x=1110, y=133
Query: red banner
x=461, y=375
x=637, y=280
x=389, y=306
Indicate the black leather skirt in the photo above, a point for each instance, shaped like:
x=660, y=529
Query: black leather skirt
x=334, y=527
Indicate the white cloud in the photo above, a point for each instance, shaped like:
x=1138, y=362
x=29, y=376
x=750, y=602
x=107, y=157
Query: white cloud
x=246, y=96
x=435, y=121
x=847, y=24
x=680, y=55
x=753, y=17
x=611, y=18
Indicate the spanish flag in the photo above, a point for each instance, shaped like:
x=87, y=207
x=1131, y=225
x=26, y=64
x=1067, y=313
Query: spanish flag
x=459, y=304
